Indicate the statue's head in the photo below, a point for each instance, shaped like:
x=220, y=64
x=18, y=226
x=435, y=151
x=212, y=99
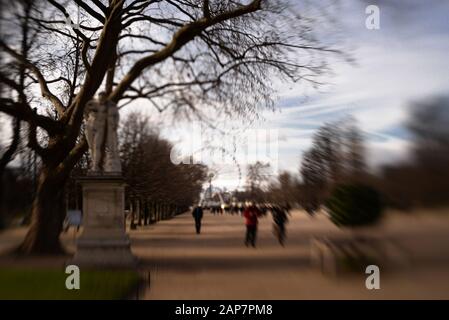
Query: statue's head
x=102, y=96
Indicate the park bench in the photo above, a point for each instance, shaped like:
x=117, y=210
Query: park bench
x=74, y=219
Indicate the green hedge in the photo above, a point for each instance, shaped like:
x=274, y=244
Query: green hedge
x=354, y=205
x=49, y=284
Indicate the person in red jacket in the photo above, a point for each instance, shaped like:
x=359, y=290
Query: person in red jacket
x=251, y=215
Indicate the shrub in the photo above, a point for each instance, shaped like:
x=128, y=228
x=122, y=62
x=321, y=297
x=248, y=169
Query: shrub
x=354, y=205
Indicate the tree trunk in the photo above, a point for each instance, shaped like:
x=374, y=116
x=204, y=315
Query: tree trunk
x=47, y=216
x=139, y=212
x=133, y=213
x=152, y=212
x=146, y=212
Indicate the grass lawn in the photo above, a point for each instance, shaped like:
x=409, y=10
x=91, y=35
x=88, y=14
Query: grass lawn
x=47, y=284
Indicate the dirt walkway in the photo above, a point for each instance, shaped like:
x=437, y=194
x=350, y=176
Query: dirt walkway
x=216, y=264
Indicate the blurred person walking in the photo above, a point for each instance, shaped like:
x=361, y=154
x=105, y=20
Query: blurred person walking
x=280, y=218
x=197, y=214
x=251, y=215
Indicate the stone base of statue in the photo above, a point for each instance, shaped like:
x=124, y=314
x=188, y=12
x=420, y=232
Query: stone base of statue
x=103, y=242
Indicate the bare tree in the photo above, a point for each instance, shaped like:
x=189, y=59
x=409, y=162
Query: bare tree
x=181, y=55
x=257, y=175
x=8, y=153
x=336, y=156
x=313, y=178
x=285, y=190
x=429, y=124
x=354, y=150
x=328, y=143
x=424, y=180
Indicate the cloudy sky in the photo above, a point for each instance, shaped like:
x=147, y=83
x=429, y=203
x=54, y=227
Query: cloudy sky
x=404, y=61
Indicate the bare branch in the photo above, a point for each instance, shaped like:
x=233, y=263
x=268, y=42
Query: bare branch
x=8, y=155
x=74, y=156
x=46, y=93
x=206, y=10
x=91, y=11
x=23, y=112
x=180, y=38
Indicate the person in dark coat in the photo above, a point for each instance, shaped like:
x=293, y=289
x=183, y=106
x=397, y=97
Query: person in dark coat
x=280, y=218
x=197, y=214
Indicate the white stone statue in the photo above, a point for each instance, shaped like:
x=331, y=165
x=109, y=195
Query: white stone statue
x=102, y=119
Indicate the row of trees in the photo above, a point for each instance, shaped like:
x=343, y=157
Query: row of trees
x=337, y=157
x=157, y=188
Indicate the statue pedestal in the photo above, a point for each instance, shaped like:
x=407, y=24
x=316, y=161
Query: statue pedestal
x=103, y=242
